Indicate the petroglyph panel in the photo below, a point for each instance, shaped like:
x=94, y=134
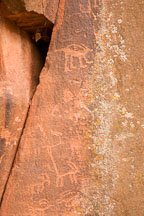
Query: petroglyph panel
x=82, y=149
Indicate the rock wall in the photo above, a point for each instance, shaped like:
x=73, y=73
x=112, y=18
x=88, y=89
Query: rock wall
x=20, y=65
x=81, y=151
x=46, y=7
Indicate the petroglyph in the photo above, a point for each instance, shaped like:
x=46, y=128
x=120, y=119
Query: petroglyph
x=65, y=198
x=71, y=173
x=87, y=8
x=78, y=51
x=42, y=205
x=43, y=179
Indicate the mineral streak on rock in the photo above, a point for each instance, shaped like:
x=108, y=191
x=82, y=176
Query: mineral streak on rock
x=82, y=149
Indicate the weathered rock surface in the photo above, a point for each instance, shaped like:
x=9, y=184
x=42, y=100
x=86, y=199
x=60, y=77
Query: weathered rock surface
x=82, y=149
x=46, y=7
x=31, y=22
x=20, y=65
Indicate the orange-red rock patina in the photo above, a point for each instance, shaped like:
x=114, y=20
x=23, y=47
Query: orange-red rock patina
x=20, y=65
x=46, y=7
x=82, y=149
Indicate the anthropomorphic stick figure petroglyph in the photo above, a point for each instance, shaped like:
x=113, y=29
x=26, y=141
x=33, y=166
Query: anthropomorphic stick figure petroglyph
x=78, y=51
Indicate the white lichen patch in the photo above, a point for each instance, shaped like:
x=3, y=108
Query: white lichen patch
x=113, y=79
x=115, y=43
x=105, y=157
x=119, y=21
x=116, y=96
x=104, y=130
x=126, y=114
x=132, y=125
x=114, y=29
x=129, y=115
x=124, y=123
x=123, y=136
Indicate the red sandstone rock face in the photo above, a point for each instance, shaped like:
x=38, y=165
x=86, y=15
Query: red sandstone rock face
x=82, y=149
x=20, y=65
x=46, y=7
x=30, y=17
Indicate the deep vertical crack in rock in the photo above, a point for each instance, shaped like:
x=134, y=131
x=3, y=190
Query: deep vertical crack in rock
x=18, y=144
x=17, y=148
x=41, y=36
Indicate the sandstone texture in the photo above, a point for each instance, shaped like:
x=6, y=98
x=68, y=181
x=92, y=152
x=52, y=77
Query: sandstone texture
x=20, y=65
x=82, y=151
x=48, y=8
x=30, y=20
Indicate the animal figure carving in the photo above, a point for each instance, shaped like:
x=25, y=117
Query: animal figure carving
x=60, y=175
x=71, y=173
x=78, y=51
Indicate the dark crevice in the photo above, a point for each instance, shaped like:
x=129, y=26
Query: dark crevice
x=39, y=28
x=43, y=46
x=14, y=158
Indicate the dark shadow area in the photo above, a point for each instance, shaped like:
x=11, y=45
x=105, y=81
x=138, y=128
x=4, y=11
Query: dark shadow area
x=41, y=38
x=38, y=27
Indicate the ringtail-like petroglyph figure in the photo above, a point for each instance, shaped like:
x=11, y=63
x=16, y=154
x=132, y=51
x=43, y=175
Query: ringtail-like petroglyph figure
x=78, y=51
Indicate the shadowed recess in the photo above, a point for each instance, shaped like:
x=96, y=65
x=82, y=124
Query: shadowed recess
x=36, y=25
